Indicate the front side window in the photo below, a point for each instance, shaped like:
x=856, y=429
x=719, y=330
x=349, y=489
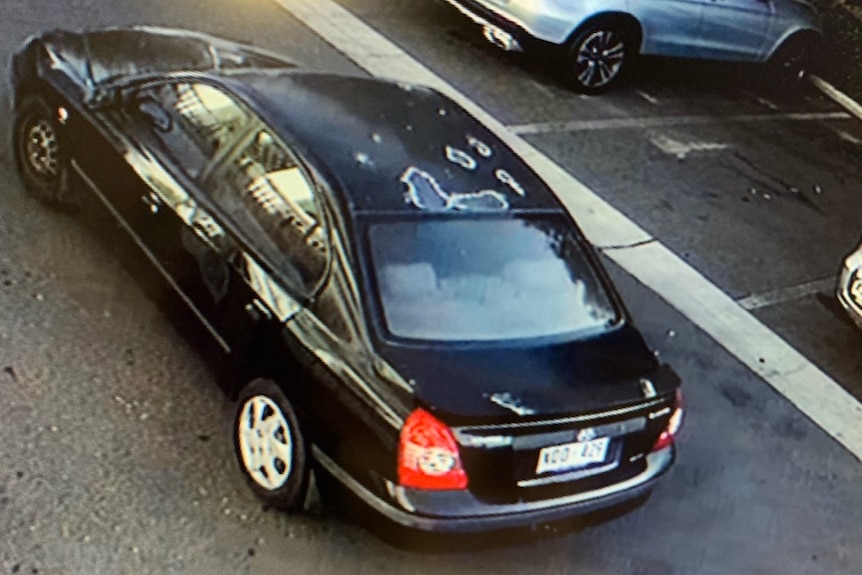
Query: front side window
x=197, y=120
x=485, y=279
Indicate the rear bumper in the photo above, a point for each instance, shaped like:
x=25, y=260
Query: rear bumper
x=460, y=511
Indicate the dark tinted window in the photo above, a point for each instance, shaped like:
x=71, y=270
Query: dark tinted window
x=485, y=279
x=263, y=189
x=199, y=121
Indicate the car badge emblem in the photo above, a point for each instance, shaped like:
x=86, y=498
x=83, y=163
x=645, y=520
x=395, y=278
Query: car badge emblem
x=648, y=388
x=587, y=434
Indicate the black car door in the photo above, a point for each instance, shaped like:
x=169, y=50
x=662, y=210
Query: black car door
x=179, y=131
x=109, y=163
x=266, y=201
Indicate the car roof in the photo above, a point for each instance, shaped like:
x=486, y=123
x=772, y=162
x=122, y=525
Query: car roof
x=393, y=148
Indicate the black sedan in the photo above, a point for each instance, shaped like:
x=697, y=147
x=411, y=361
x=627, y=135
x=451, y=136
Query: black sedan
x=411, y=312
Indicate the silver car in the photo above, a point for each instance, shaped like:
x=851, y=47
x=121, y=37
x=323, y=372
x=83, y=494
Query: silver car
x=850, y=285
x=600, y=37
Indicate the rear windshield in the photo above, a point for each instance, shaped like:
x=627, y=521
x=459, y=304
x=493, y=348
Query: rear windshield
x=459, y=279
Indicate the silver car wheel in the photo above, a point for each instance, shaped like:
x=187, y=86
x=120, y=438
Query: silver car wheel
x=599, y=58
x=42, y=149
x=265, y=442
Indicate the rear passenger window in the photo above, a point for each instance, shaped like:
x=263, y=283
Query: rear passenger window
x=265, y=191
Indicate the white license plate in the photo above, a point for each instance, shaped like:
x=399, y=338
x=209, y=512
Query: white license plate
x=572, y=455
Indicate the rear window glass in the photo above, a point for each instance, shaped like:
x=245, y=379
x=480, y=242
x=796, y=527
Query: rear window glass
x=485, y=280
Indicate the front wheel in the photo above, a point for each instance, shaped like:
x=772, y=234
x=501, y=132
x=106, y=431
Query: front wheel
x=270, y=446
x=597, y=57
x=41, y=159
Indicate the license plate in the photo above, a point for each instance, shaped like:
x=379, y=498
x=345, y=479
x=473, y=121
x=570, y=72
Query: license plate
x=572, y=455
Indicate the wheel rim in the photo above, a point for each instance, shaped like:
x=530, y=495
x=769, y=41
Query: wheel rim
x=265, y=442
x=600, y=58
x=41, y=149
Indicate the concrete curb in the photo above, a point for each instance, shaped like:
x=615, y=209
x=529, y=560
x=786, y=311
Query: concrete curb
x=840, y=98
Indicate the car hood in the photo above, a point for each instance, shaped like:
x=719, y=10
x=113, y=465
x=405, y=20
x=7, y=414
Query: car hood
x=107, y=55
x=466, y=384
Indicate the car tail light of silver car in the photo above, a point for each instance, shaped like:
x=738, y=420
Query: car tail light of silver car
x=428, y=456
x=674, y=424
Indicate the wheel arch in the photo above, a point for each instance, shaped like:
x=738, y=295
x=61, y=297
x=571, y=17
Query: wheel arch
x=265, y=356
x=797, y=35
x=625, y=19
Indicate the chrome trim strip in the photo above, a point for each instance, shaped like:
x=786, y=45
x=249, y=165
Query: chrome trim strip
x=468, y=13
x=574, y=475
x=561, y=421
x=151, y=256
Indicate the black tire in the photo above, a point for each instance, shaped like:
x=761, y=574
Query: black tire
x=793, y=60
x=270, y=447
x=40, y=156
x=599, y=54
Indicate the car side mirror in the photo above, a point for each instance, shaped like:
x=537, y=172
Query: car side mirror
x=154, y=114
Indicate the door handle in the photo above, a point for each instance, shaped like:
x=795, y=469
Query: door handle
x=153, y=201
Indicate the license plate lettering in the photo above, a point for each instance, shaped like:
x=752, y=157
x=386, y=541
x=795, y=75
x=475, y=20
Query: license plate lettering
x=572, y=455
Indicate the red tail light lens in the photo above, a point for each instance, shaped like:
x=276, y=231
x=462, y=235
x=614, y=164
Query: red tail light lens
x=673, y=425
x=428, y=455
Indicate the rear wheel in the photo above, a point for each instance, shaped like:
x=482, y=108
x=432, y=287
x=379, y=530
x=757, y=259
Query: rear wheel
x=793, y=60
x=42, y=161
x=598, y=55
x=270, y=447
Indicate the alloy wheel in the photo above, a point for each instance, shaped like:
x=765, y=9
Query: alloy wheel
x=599, y=58
x=265, y=442
x=41, y=149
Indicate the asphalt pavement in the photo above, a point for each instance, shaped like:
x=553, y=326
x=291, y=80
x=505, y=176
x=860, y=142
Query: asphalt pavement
x=116, y=442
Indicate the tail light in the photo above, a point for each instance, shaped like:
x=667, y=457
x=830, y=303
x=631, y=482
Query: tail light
x=673, y=425
x=428, y=454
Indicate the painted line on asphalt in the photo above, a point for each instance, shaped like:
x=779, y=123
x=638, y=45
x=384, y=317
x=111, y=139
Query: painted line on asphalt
x=669, y=121
x=813, y=392
x=784, y=295
x=681, y=150
x=840, y=98
x=760, y=100
x=648, y=97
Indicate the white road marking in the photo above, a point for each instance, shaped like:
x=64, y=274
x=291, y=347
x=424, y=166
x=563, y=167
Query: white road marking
x=783, y=295
x=683, y=149
x=651, y=262
x=670, y=121
x=649, y=98
x=838, y=96
x=848, y=137
x=760, y=100
x=544, y=89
